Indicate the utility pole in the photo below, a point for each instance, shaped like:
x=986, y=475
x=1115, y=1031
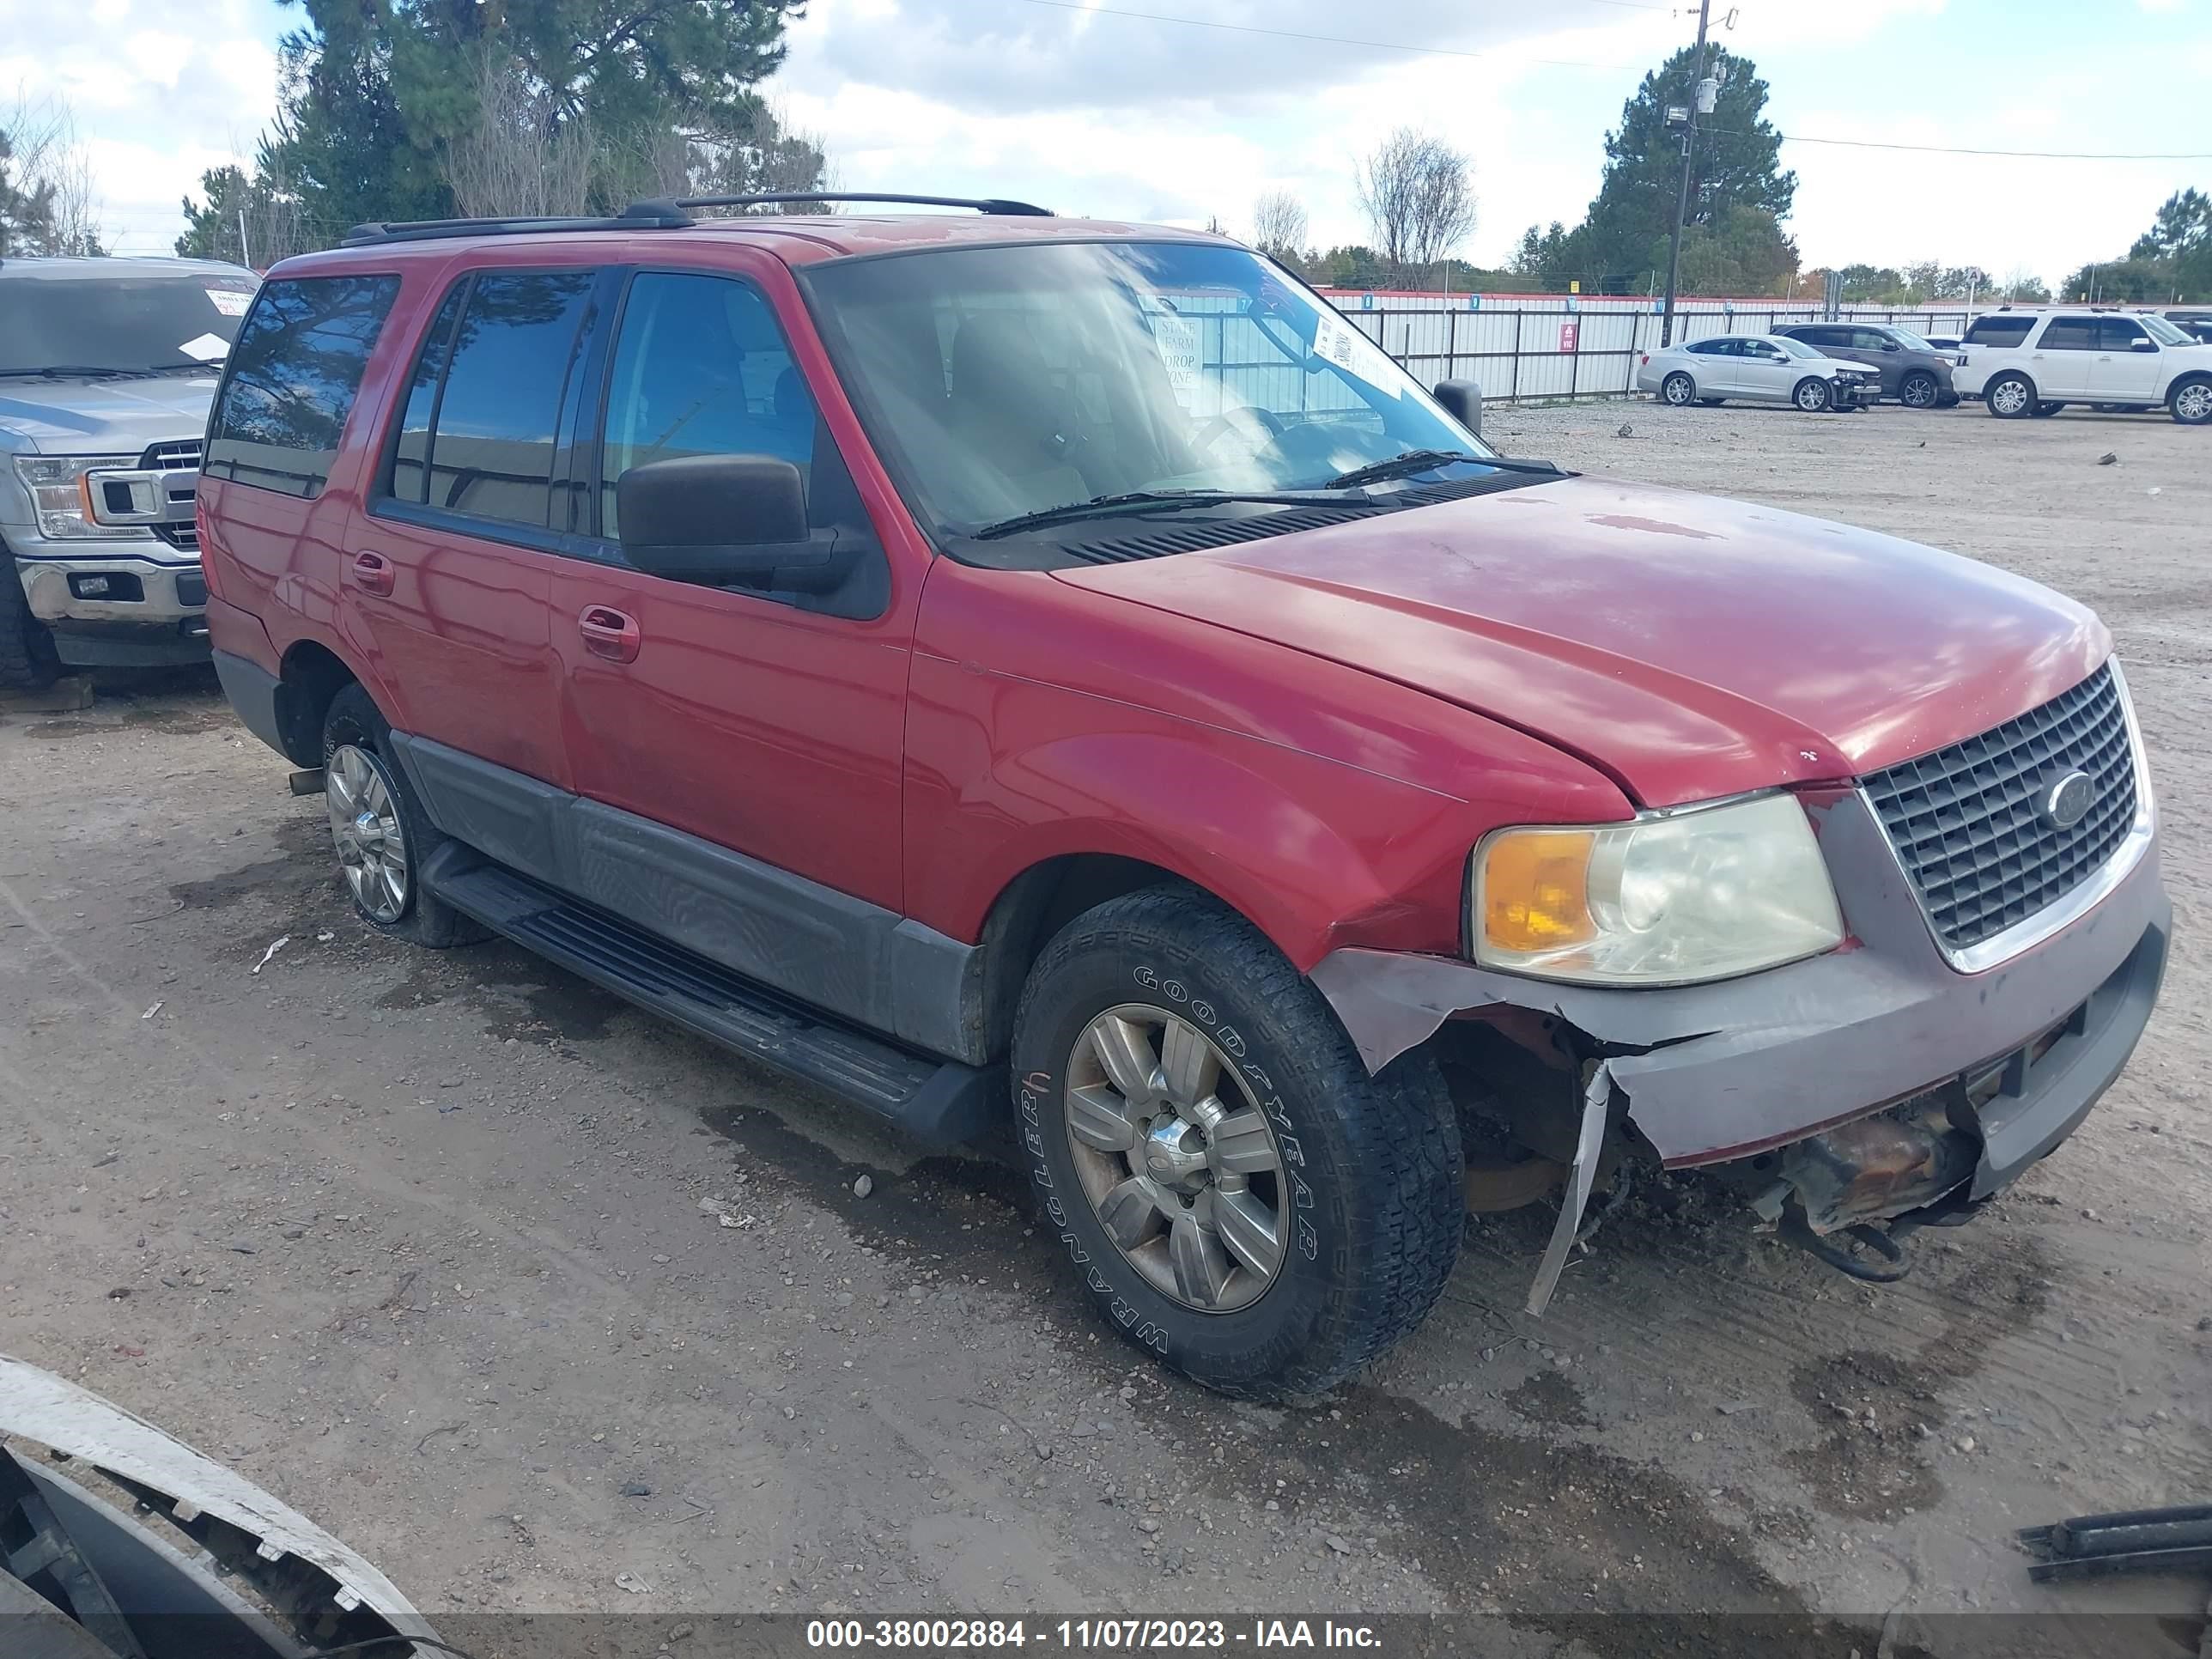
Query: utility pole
x=245, y=249
x=1682, y=197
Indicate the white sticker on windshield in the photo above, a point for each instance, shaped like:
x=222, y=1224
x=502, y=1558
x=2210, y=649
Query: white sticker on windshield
x=1341, y=343
x=230, y=301
x=1179, y=349
x=207, y=349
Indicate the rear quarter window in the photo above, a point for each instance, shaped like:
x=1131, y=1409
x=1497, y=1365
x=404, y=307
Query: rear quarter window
x=1999, y=331
x=292, y=380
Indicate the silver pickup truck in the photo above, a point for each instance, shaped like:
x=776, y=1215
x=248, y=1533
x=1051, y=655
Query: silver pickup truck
x=106, y=369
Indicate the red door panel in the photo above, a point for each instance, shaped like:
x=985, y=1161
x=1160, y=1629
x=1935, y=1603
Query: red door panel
x=765, y=729
x=463, y=635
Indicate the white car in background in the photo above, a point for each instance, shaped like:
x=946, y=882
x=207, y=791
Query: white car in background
x=2020, y=363
x=1763, y=368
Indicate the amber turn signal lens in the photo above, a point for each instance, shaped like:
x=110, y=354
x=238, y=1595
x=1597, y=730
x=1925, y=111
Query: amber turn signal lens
x=1535, y=890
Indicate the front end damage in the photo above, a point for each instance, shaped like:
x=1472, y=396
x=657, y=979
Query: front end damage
x=122, y=1542
x=1849, y=1099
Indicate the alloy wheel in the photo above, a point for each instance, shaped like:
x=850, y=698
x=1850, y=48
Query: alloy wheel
x=1918, y=392
x=365, y=827
x=1176, y=1158
x=2194, y=401
x=2008, y=396
x=1678, y=390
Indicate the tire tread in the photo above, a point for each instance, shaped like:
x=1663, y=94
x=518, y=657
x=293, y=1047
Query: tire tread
x=1407, y=1210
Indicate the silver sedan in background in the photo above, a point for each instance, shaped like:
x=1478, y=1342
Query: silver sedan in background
x=1763, y=368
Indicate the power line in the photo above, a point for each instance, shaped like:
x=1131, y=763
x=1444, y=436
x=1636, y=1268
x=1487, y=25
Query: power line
x=1078, y=6
x=1088, y=10
x=2025, y=155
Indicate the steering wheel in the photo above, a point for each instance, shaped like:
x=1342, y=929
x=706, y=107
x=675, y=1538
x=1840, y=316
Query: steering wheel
x=1244, y=418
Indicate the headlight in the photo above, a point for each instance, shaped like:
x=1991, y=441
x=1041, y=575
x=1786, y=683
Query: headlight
x=1699, y=893
x=57, y=486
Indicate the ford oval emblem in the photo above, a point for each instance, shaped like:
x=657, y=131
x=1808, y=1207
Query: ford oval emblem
x=2068, y=801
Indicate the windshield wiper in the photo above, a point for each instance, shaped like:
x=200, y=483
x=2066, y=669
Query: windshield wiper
x=1102, y=506
x=64, y=371
x=1423, y=460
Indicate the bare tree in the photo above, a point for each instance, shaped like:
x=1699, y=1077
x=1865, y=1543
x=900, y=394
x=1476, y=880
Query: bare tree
x=1279, y=226
x=1418, y=196
x=519, y=156
x=47, y=203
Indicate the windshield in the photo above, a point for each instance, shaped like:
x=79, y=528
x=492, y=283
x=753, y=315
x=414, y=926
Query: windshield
x=1795, y=348
x=2165, y=332
x=1909, y=340
x=1003, y=382
x=120, y=324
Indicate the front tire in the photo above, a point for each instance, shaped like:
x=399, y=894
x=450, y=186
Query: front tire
x=379, y=830
x=1812, y=394
x=28, y=659
x=1679, y=389
x=1918, y=389
x=2010, y=397
x=2191, y=403
x=1241, y=1199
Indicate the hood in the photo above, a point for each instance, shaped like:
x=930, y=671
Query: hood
x=108, y=418
x=1688, y=647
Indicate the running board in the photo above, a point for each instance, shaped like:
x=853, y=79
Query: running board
x=940, y=1102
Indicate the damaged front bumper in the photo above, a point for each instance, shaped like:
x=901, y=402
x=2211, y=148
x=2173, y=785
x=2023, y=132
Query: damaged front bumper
x=196, y=1562
x=1871, y=1083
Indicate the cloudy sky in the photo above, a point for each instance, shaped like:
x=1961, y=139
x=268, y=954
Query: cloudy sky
x=1113, y=108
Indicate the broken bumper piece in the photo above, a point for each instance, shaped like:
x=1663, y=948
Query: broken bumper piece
x=1874, y=1082
x=196, y=1562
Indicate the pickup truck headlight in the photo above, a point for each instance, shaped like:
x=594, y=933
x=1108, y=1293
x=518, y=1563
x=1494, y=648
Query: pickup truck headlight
x=56, y=484
x=1696, y=893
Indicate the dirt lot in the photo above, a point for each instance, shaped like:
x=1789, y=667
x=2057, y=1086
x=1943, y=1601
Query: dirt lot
x=417, y=1241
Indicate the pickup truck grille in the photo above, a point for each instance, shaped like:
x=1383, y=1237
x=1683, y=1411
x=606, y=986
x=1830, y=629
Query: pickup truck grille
x=1967, y=823
x=178, y=455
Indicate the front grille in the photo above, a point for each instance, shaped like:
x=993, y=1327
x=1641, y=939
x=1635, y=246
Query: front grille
x=178, y=455
x=1966, y=821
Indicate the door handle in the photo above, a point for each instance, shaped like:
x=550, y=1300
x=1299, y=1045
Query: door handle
x=610, y=633
x=373, y=574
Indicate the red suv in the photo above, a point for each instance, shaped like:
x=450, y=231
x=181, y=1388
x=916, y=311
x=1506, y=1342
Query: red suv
x=1013, y=671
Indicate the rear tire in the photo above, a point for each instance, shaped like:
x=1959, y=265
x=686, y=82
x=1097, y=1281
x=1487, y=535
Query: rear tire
x=27, y=659
x=2010, y=397
x=1812, y=395
x=380, y=831
x=1679, y=389
x=1160, y=1036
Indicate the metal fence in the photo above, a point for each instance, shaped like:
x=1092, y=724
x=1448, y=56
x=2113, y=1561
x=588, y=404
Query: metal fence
x=1522, y=352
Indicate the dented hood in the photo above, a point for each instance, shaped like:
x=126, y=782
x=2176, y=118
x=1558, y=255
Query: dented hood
x=1688, y=646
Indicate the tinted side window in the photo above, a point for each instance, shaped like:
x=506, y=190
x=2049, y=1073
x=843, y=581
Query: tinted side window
x=1821, y=338
x=292, y=379
x=2069, y=334
x=1868, y=340
x=409, y=470
x=1723, y=347
x=2118, y=333
x=700, y=369
x=491, y=444
x=1999, y=331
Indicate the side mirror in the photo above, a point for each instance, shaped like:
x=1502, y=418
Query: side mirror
x=2144, y=345
x=1891, y=345
x=1462, y=401
x=718, y=520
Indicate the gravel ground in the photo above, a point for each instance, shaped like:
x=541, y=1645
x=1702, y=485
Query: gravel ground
x=422, y=1241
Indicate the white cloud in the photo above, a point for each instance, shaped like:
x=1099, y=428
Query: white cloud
x=154, y=105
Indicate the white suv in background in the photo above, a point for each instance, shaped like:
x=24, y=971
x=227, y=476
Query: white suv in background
x=2035, y=362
